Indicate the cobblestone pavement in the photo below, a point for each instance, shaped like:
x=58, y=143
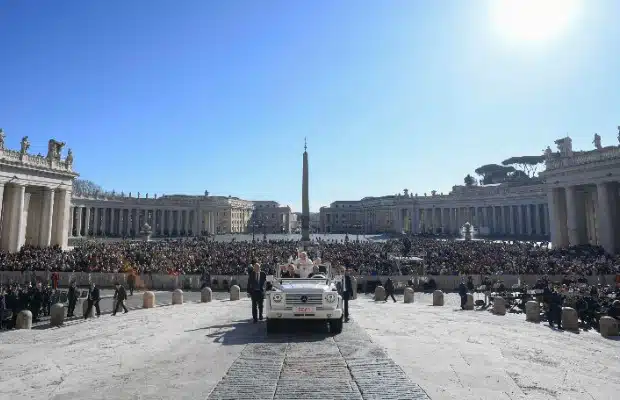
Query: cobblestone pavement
x=314, y=366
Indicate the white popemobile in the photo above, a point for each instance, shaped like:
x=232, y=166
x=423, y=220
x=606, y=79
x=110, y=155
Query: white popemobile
x=304, y=291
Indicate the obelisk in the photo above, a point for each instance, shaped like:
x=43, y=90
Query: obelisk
x=305, y=201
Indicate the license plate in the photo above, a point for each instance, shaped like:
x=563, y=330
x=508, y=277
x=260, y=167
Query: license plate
x=303, y=310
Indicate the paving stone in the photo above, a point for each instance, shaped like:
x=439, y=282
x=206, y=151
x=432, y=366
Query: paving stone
x=336, y=388
x=348, y=366
x=300, y=367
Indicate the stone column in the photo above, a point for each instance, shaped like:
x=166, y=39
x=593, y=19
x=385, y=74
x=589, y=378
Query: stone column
x=170, y=222
x=61, y=217
x=528, y=222
x=135, y=217
x=557, y=217
x=455, y=227
x=104, y=221
x=47, y=213
x=95, y=223
x=87, y=221
x=118, y=218
x=2, y=230
x=572, y=219
x=121, y=222
x=113, y=221
x=520, y=227
x=511, y=220
x=195, y=228
x=546, y=219
x=183, y=220
x=606, y=216
x=71, y=217
x=18, y=223
x=78, y=222
x=162, y=222
x=537, y=218
x=154, y=224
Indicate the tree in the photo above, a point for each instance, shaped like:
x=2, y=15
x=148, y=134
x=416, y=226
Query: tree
x=493, y=173
x=83, y=187
x=469, y=180
x=528, y=164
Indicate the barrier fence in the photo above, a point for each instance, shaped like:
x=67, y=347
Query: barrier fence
x=223, y=282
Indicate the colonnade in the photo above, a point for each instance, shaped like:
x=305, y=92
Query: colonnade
x=115, y=221
x=586, y=214
x=516, y=219
x=33, y=215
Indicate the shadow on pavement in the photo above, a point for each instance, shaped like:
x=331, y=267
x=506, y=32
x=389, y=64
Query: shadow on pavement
x=76, y=320
x=246, y=332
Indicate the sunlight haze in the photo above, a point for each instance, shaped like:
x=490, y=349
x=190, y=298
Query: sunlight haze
x=534, y=20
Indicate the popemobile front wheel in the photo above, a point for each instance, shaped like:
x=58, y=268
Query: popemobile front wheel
x=335, y=325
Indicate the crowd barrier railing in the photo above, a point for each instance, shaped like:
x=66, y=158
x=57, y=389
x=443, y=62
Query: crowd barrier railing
x=223, y=282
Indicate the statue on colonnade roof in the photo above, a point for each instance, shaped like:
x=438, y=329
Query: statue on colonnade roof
x=25, y=145
x=69, y=159
x=565, y=146
x=54, y=148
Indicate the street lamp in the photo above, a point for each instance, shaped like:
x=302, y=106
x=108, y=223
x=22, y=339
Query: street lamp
x=357, y=227
x=255, y=223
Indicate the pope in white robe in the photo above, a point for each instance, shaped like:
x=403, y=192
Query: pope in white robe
x=303, y=265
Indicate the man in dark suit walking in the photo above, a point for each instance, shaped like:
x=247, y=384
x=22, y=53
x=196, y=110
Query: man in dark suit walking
x=389, y=290
x=93, y=300
x=347, y=293
x=73, y=298
x=256, y=289
x=120, y=294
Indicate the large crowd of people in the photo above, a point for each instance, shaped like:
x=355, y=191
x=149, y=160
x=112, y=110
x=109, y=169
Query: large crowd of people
x=207, y=257
x=200, y=255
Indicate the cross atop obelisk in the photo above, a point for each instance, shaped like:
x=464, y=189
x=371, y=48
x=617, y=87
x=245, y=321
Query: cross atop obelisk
x=305, y=201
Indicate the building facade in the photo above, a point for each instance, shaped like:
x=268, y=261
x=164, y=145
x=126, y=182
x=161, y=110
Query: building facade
x=575, y=201
x=35, y=196
x=583, y=191
x=166, y=216
x=493, y=210
x=271, y=217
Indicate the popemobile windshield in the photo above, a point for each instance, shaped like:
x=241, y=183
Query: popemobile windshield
x=304, y=290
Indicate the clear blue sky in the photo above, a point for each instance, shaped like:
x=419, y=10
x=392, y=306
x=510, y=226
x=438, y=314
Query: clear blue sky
x=182, y=96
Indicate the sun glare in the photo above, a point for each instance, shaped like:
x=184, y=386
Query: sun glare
x=533, y=20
